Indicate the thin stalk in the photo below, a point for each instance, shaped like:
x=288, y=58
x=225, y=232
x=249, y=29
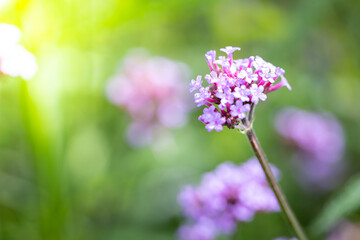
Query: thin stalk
x=289, y=214
x=251, y=112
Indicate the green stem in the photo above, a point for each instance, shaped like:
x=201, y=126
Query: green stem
x=260, y=154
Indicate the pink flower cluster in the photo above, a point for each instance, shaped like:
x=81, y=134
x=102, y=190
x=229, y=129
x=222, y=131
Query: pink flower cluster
x=150, y=90
x=320, y=142
x=228, y=195
x=234, y=86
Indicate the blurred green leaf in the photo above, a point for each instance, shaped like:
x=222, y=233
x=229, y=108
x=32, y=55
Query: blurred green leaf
x=341, y=205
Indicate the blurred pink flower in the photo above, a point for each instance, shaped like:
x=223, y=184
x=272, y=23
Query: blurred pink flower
x=15, y=60
x=151, y=90
x=319, y=140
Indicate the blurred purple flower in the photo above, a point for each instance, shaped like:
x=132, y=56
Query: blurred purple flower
x=204, y=229
x=246, y=80
x=320, y=135
x=345, y=230
x=228, y=195
x=319, y=140
x=151, y=90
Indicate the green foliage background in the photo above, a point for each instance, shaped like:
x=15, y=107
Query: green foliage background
x=66, y=170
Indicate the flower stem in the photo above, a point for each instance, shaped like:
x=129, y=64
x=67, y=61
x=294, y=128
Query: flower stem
x=251, y=112
x=290, y=216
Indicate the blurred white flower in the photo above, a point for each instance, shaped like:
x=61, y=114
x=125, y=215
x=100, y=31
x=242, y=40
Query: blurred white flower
x=3, y=2
x=15, y=60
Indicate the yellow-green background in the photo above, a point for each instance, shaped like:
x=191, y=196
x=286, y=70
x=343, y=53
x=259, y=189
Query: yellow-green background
x=66, y=170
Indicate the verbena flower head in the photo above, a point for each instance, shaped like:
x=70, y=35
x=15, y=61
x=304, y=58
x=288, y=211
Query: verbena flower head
x=150, y=90
x=319, y=141
x=228, y=195
x=15, y=60
x=233, y=85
